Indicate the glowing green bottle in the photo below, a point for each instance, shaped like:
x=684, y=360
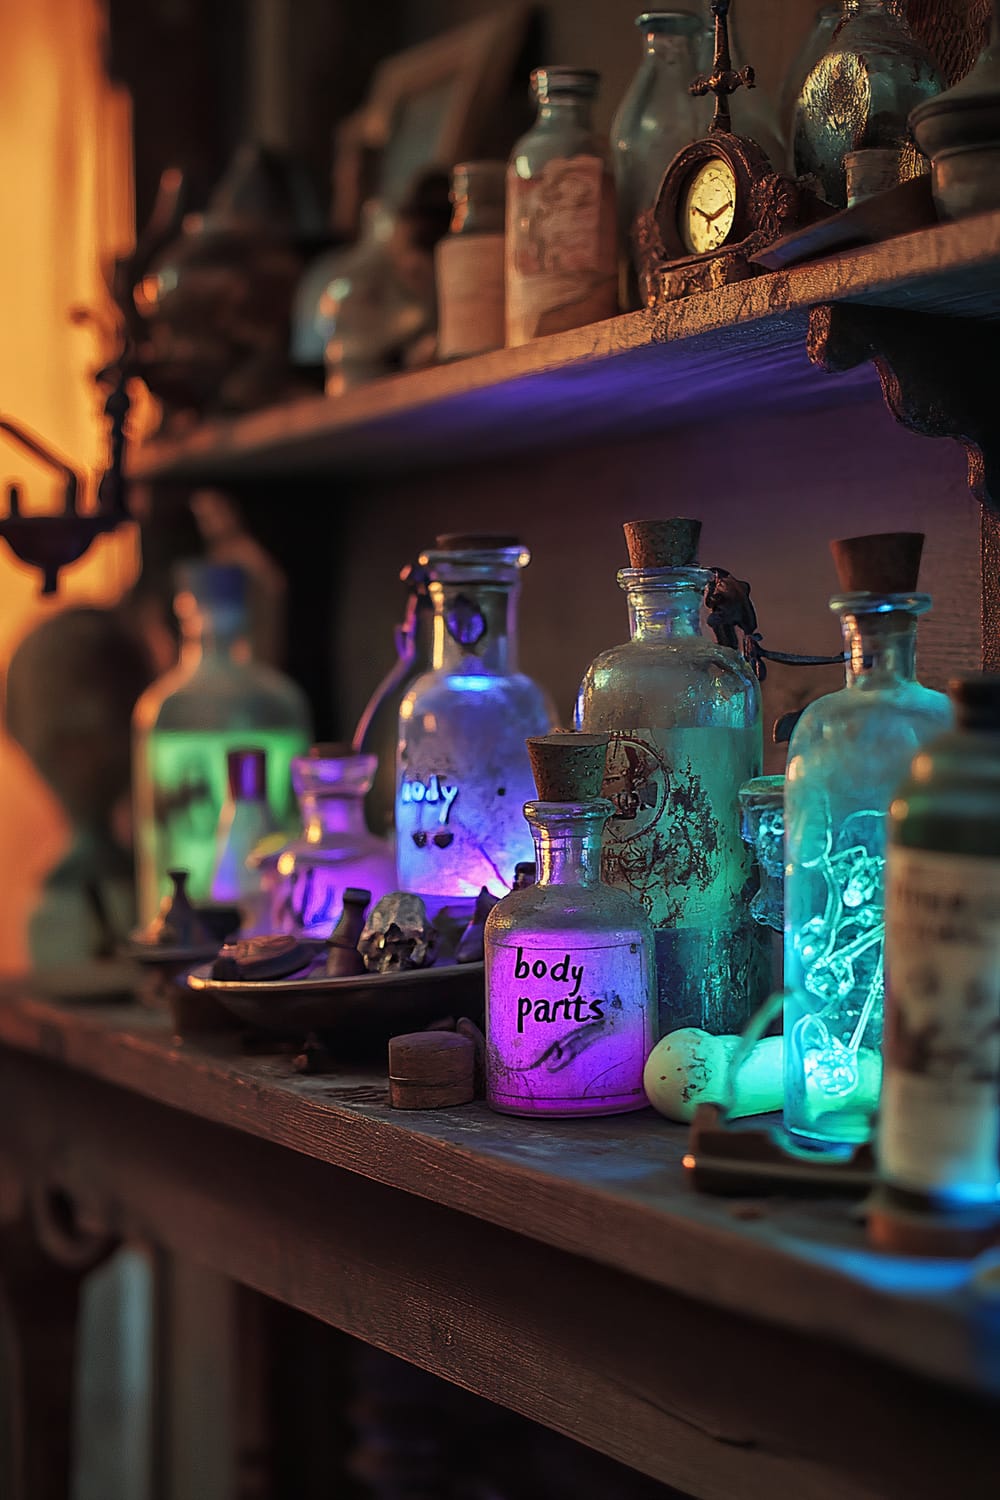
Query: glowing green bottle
x=216, y=699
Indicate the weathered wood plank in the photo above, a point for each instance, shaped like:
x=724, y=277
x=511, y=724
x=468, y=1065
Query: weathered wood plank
x=639, y=373
x=713, y=1402
x=609, y=1190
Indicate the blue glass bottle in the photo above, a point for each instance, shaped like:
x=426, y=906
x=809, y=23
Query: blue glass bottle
x=848, y=752
x=463, y=774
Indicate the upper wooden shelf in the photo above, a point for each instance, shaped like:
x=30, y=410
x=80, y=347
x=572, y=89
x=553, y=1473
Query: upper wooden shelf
x=626, y=377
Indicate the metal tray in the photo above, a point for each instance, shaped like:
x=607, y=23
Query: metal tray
x=356, y=1014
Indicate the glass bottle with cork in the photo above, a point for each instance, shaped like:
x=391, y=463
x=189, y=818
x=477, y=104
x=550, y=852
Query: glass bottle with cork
x=571, y=994
x=216, y=699
x=847, y=754
x=463, y=771
x=938, y=1145
x=561, y=240
x=469, y=263
x=684, y=715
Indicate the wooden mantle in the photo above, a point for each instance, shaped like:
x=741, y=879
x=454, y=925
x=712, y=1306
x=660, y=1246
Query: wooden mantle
x=641, y=373
x=564, y=1269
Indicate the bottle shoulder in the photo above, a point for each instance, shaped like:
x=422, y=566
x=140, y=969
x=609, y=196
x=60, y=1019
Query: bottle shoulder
x=514, y=689
x=560, y=909
x=908, y=713
x=213, y=694
x=672, y=678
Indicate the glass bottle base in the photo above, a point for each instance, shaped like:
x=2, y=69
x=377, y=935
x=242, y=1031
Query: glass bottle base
x=566, y=1109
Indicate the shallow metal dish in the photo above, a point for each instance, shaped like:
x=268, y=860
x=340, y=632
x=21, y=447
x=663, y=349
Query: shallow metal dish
x=356, y=1014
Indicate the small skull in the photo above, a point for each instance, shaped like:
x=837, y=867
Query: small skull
x=398, y=936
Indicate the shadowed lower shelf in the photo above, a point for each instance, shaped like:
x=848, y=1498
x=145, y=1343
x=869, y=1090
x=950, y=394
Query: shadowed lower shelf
x=627, y=377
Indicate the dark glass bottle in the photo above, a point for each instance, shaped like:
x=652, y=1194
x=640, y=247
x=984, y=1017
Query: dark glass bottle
x=939, y=1126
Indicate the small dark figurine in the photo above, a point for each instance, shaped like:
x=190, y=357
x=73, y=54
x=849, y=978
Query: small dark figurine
x=733, y=621
x=525, y=874
x=470, y=948
x=343, y=958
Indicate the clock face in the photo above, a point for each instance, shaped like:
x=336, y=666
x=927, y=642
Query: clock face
x=709, y=206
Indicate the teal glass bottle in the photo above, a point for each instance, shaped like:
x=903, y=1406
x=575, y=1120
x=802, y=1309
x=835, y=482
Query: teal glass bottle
x=848, y=752
x=684, y=717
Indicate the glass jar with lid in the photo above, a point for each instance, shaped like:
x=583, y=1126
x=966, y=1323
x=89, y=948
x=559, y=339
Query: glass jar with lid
x=463, y=774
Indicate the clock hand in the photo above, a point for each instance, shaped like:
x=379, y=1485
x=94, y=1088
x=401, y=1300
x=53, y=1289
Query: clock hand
x=718, y=211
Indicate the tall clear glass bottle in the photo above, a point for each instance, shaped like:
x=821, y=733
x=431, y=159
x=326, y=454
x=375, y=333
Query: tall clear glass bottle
x=848, y=752
x=939, y=1121
x=860, y=92
x=463, y=771
x=684, y=716
x=336, y=850
x=571, y=993
x=657, y=117
x=216, y=699
x=561, y=236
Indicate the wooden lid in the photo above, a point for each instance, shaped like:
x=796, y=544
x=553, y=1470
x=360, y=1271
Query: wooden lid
x=663, y=544
x=431, y=1070
x=568, y=767
x=887, y=562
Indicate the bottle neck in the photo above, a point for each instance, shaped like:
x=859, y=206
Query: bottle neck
x=562, y=111
x=323, y=816
x=222, y=637
x=475, y=628
x=880, y=649
x=568, y=838
x=664, y=603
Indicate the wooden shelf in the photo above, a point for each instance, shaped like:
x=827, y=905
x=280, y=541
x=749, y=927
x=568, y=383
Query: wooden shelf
x=629, y=376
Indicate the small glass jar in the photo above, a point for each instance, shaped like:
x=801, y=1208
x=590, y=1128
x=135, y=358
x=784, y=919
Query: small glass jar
x=762, y=803
x=847, y=754
x=860, y=92
x=571, y=992
x=561, y=241
x=657, y=117
x=469, y=263
x=463, y=774
x=336, y=850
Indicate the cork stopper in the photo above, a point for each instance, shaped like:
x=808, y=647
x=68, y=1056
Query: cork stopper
x=886, y=563
x=431, y=1070
x=568, y=767
x=663, y=544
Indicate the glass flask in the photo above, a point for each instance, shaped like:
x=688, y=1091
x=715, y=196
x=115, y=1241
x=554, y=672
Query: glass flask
x=847, y=754
x=246, y=818
x=762, y=804
x=684, y=716
x=378, y=728
x=561, y=237
x=827, y=19
x=463, y=772
x=336, y=851
x=216, y=699
x=860, y=92
x=571, y=990
x=939, y=1121
x=658, y=115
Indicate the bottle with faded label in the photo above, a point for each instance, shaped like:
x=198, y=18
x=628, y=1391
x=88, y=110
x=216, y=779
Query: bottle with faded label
x=571, y=995
x=939, y=1124
x=561, y=219
x=462, y=771
x=684, y=716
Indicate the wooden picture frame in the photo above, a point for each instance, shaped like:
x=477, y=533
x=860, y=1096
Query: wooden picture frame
x=427, y=106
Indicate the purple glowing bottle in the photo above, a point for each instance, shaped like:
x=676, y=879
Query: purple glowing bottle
x=570, y=982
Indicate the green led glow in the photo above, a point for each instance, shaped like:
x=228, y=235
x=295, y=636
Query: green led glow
x=181, y=796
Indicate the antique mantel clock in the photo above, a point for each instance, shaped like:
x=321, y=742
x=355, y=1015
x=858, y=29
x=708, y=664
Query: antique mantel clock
x=721, y=200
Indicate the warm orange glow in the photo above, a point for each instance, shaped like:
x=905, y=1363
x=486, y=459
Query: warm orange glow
x=65, y=165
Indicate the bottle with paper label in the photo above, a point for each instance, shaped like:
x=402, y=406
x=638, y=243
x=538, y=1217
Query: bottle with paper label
x=684, y=717
x=939, y=1124
x=561, y=248
x=571, y=994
